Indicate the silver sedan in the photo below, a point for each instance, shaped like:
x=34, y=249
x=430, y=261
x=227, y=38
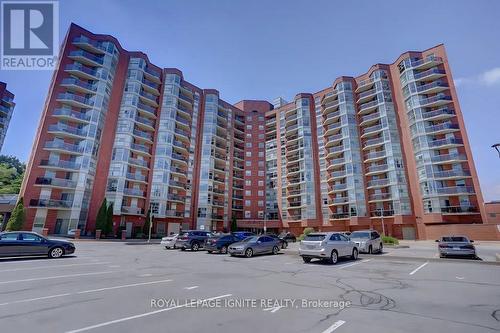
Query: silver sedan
x=250, y=246
x=456, y=246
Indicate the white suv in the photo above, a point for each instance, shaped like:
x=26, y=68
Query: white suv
x=328, y=246
x=368, y=241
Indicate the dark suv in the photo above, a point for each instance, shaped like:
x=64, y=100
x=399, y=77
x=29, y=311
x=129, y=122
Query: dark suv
x=220, y=243
x=192, y=239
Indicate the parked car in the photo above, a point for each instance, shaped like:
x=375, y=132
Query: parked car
x=220, y=243
x=456, y=246
x=192, y=239
x=250, y=246
x=169, y=241
x=327, y=246
x=282, y=241
x=347, y=233
x=23, y=243
x=288, y=237
x=243, y=234
x=367, y=241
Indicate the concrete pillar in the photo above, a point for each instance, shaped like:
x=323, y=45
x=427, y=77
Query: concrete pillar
x=97, y=234
x=77, y=233
x=124, y=235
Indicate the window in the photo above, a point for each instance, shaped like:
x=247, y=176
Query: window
x=248, y=163
x=247, y=214
x=248, y=154
x=10, y=236
x=30, y=237
x=260, y=193
x=260, y=203
x=248, y=192
x=261, y=183
x=335, y=237
x=249, y=127
x=248, y=172
x=344, y=238
x=248, y=203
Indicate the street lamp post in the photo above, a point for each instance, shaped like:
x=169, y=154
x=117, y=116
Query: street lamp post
x=382, y=217
x=497, y=148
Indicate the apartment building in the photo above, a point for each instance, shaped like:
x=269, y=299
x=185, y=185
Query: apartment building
x=6, y=108
x=387, y=150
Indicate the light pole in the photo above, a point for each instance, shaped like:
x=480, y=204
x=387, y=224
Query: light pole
x=265, y=223
x=382, y=217
x=497, y=148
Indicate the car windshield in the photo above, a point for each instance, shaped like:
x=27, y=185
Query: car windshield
x=358, y=234
x=315, y=237
x=250, y=239
x=454, y=239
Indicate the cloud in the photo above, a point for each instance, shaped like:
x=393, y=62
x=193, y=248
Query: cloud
x=490, y=77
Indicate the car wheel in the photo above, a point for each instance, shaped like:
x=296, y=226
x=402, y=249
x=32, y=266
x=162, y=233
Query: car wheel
x=209, y=251
x=223, y=250
x=175, y=247
x=195, y=246
x=354, y=254
x=56, y=252
x=334, y=257
x=370, y=249
x=381, y=248
x=442, y=256
x=248, y=253
x=276, y=250
x=306, y=260
x=183, y=249
x=284, y=245
x=166, y=247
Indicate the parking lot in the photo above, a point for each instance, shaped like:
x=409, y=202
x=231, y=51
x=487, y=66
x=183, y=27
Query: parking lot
x=114, y=287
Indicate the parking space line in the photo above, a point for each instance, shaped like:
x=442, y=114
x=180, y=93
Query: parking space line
x=354, y=264
x=52, y=266
x=418, y=268
x=107, y=323
x=85, y=292
x=56, y=277
x=191, y=288
x=335, y=325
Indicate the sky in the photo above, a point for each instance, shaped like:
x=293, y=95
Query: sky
x=263, y=49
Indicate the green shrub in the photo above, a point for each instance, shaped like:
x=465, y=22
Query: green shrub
x=390, y=240
x=306, y=232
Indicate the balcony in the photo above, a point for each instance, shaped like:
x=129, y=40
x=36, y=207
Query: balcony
x=140, y=149
x=435, y=101
x=368, y=107
x=63, y=147
x=176, y=198
x=334, y=139
x=174, y=214
x=150, y=86
x=51, y=204
x=334, y=151
x=370, y=118
x=332, y=128
x=451, y=174
x=338, y=216
x=375, y=169
x=445, y=143
x=132, y=210
x=331, y=117
x=136, y=177
x=455, y=190
x=366, y=95
x=380, y=213
x=68, y=131
x=182, y=135
x=75, y=100
x=459, y=210
x=438, y=114
x=141, y=135
x=134, y=192
x=5, y=110
x=56, y=182
x=152, y=74
x=374, y=156
x=337, y=175
x=372, y=130
x=380, y=197
x=82, y=71
x=372, y=143
x=184, y=111
x=138, y=163
x=378, y=183
x=177, y=184
x=448, y=158
x=180, y=157
x=181, y=146
x=148, y=110
x=338, y=162
x=86, y=58
x=428, y=62
x=185, y=98
x=60, y=165
x=433, y=87
x=447, y=127
x=338, y=187
x=338, y=201
x=149, y=98
x=183, y=122
x=330, y=107
x=178, y=171
x=79, y=85
x=429, y=75
x=145, y=123
x=70, y=115
x=88, y=44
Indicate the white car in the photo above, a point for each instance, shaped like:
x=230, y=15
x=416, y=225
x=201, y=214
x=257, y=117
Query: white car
x=327, y=246
x=169, y=241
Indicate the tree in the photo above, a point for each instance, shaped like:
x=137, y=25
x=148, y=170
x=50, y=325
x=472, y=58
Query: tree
x=234, y=224
x=11, y=174
x=17, y=218
x=145, y=227
x=100, y=221
x=108, y=228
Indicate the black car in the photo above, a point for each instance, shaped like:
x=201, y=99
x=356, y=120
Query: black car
x=288, y=236
x=24, y=243
x=220, y=243
x=283, y=242
x=192, y=239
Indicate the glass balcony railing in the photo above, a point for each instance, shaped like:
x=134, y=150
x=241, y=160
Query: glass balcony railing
x=339, y=187
x=451, y=174
x=372, y=129
x=140, y=147
x=135, y=176
x=175, y=197
x=444, y=142
x=64, y=146
x=66, y=112
x=429, y=86
x=81, y=68
x=448, y=157
x=79, y=83
x=176, y=183
x=369, y=105
x=51, y=203
x=60, y=164
x=337, y=174
x=57, y=182
x=134, y=192
x=132, y=210
x=372, y=142
x=145, y=121
x=456, y=190
x=173, y=213
x=378, y=182
x=438, y=112
x=416, y=63
x=380, y=196
x=441, y=127
x=85, y=40
x=87, y=55
x=76, y=98
x=179, y=157
x=138, y=162
x=143, y=134
x=82, y=132
x=146, y=108
x=459, y=209
x=339, y=200
x=371, y=117
x=375, y=154
x=434, y=99
x=430, y=72
x=367, y=93
x=377, y=168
